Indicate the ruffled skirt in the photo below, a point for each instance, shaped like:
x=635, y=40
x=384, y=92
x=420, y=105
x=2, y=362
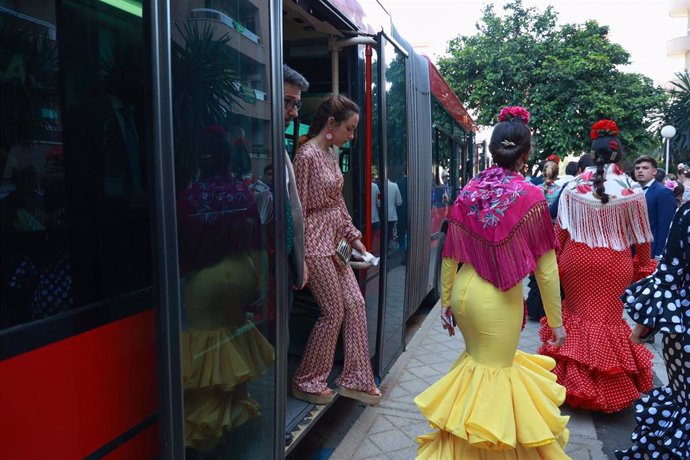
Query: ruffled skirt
x=663, y=419
x=483, y=412
x=598, y=364
x=216, y=366
x=663, y=428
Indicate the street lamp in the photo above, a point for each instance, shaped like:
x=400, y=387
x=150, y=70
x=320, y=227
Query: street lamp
x=667, y=132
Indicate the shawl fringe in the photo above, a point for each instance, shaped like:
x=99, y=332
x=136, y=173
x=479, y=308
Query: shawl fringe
x=504, y=263
x=616, y=225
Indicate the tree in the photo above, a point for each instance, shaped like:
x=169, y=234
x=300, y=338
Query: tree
x=678, y=115
x=205, y=89
x=567, y=76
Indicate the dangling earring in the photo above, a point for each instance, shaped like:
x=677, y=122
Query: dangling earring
x=329, y=135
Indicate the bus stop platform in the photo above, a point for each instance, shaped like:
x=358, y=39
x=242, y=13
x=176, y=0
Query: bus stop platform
x=388, y=431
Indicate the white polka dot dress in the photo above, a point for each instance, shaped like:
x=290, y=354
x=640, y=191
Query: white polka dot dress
x=598, y=364
x=662, y=303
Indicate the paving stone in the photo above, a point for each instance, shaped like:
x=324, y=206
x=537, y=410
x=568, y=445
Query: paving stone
x=392, y=439
x=408, y=453
x=389, y=430
x=366, y=449
x=380, y=425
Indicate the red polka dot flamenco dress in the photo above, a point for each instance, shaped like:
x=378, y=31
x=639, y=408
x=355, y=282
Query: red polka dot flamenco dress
x=598, y=364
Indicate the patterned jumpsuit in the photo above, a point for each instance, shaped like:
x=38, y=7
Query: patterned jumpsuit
x=333, y=284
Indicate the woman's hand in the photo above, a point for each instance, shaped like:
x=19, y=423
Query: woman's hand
x=558, y=336
x=357, y=244
x=448, y=321
x=637, y=332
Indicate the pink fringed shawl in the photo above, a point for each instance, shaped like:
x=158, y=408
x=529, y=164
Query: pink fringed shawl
x=500, y=224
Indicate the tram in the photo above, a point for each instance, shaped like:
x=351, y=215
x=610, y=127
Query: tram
x=103, y=108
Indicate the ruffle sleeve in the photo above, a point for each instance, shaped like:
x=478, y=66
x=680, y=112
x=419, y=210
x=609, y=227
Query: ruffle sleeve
x=660, y=301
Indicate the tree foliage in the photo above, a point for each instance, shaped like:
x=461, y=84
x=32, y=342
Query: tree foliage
x=567, y=76
x=678, y=115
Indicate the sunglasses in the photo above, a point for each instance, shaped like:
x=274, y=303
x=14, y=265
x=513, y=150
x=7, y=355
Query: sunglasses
x=291, y=104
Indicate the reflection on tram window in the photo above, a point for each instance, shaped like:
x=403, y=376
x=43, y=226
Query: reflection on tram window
x=222, y=135
x=74, y=223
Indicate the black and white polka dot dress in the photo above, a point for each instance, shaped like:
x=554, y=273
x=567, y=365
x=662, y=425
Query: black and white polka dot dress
x=662, y=303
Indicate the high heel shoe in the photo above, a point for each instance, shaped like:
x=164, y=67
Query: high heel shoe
x=325, y=397
x=373, y=399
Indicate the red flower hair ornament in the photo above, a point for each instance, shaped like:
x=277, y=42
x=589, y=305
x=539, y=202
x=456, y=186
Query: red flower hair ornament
x=604, y=128
x=553, y=157
x=515, y=111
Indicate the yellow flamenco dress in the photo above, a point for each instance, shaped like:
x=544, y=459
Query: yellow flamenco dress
x=495, y=402
x=221, y=351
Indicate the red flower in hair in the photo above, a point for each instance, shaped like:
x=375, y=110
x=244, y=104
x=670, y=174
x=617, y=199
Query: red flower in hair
x=604, y=128
x=510, y=112
x=553, y=157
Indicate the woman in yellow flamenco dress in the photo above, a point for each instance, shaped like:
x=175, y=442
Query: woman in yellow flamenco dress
x=222, y=350
x=497, y=402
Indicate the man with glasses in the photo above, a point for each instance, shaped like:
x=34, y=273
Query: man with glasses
x=293, y=86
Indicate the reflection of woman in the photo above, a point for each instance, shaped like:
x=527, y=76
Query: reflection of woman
x=661, y=303
x=221, y=350
x=45, y=270
x=497, y=402
x=333, y=284
x=601, y=214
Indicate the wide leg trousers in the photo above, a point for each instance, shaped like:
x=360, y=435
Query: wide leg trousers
x=342, y=306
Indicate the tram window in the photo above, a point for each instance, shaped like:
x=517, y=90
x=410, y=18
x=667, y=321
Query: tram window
x=226, y=225
x=74, y=219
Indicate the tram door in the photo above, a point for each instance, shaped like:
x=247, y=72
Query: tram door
x=391, y=94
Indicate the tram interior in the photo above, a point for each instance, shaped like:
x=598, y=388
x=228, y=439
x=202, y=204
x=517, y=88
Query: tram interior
x=306, y=49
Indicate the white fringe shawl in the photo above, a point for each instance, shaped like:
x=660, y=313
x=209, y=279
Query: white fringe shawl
x=617, y=225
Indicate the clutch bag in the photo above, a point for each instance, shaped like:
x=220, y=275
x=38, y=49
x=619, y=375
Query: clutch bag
x=344, y=250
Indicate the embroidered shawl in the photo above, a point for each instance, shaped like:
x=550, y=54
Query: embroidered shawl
x=617, y=225
x=500, y=224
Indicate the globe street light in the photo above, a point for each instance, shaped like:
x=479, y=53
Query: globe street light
x=667, y=132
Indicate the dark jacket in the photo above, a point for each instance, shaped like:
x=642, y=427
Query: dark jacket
x=661, y=206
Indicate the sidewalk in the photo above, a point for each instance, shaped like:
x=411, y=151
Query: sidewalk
x=388, y=431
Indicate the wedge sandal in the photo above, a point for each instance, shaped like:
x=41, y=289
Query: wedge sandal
x=313, y=398
x=362, y=396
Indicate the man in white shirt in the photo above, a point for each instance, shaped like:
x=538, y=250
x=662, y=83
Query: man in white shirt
x=394, y=200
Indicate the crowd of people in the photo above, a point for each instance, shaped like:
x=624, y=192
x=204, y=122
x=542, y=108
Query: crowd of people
x=572, y=251
x=591, y=244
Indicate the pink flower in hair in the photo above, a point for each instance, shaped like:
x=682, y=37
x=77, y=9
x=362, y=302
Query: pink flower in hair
x=515, y=111
x=671, y=184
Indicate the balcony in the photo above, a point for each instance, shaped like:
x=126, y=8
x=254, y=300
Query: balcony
x=678, y=47
x=216, y=15
x=679, y=8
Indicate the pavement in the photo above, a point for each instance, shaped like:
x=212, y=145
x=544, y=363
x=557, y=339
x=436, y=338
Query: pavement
x=388, y=431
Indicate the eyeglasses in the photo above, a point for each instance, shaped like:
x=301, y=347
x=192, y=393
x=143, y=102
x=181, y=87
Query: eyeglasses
x=291, y=104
